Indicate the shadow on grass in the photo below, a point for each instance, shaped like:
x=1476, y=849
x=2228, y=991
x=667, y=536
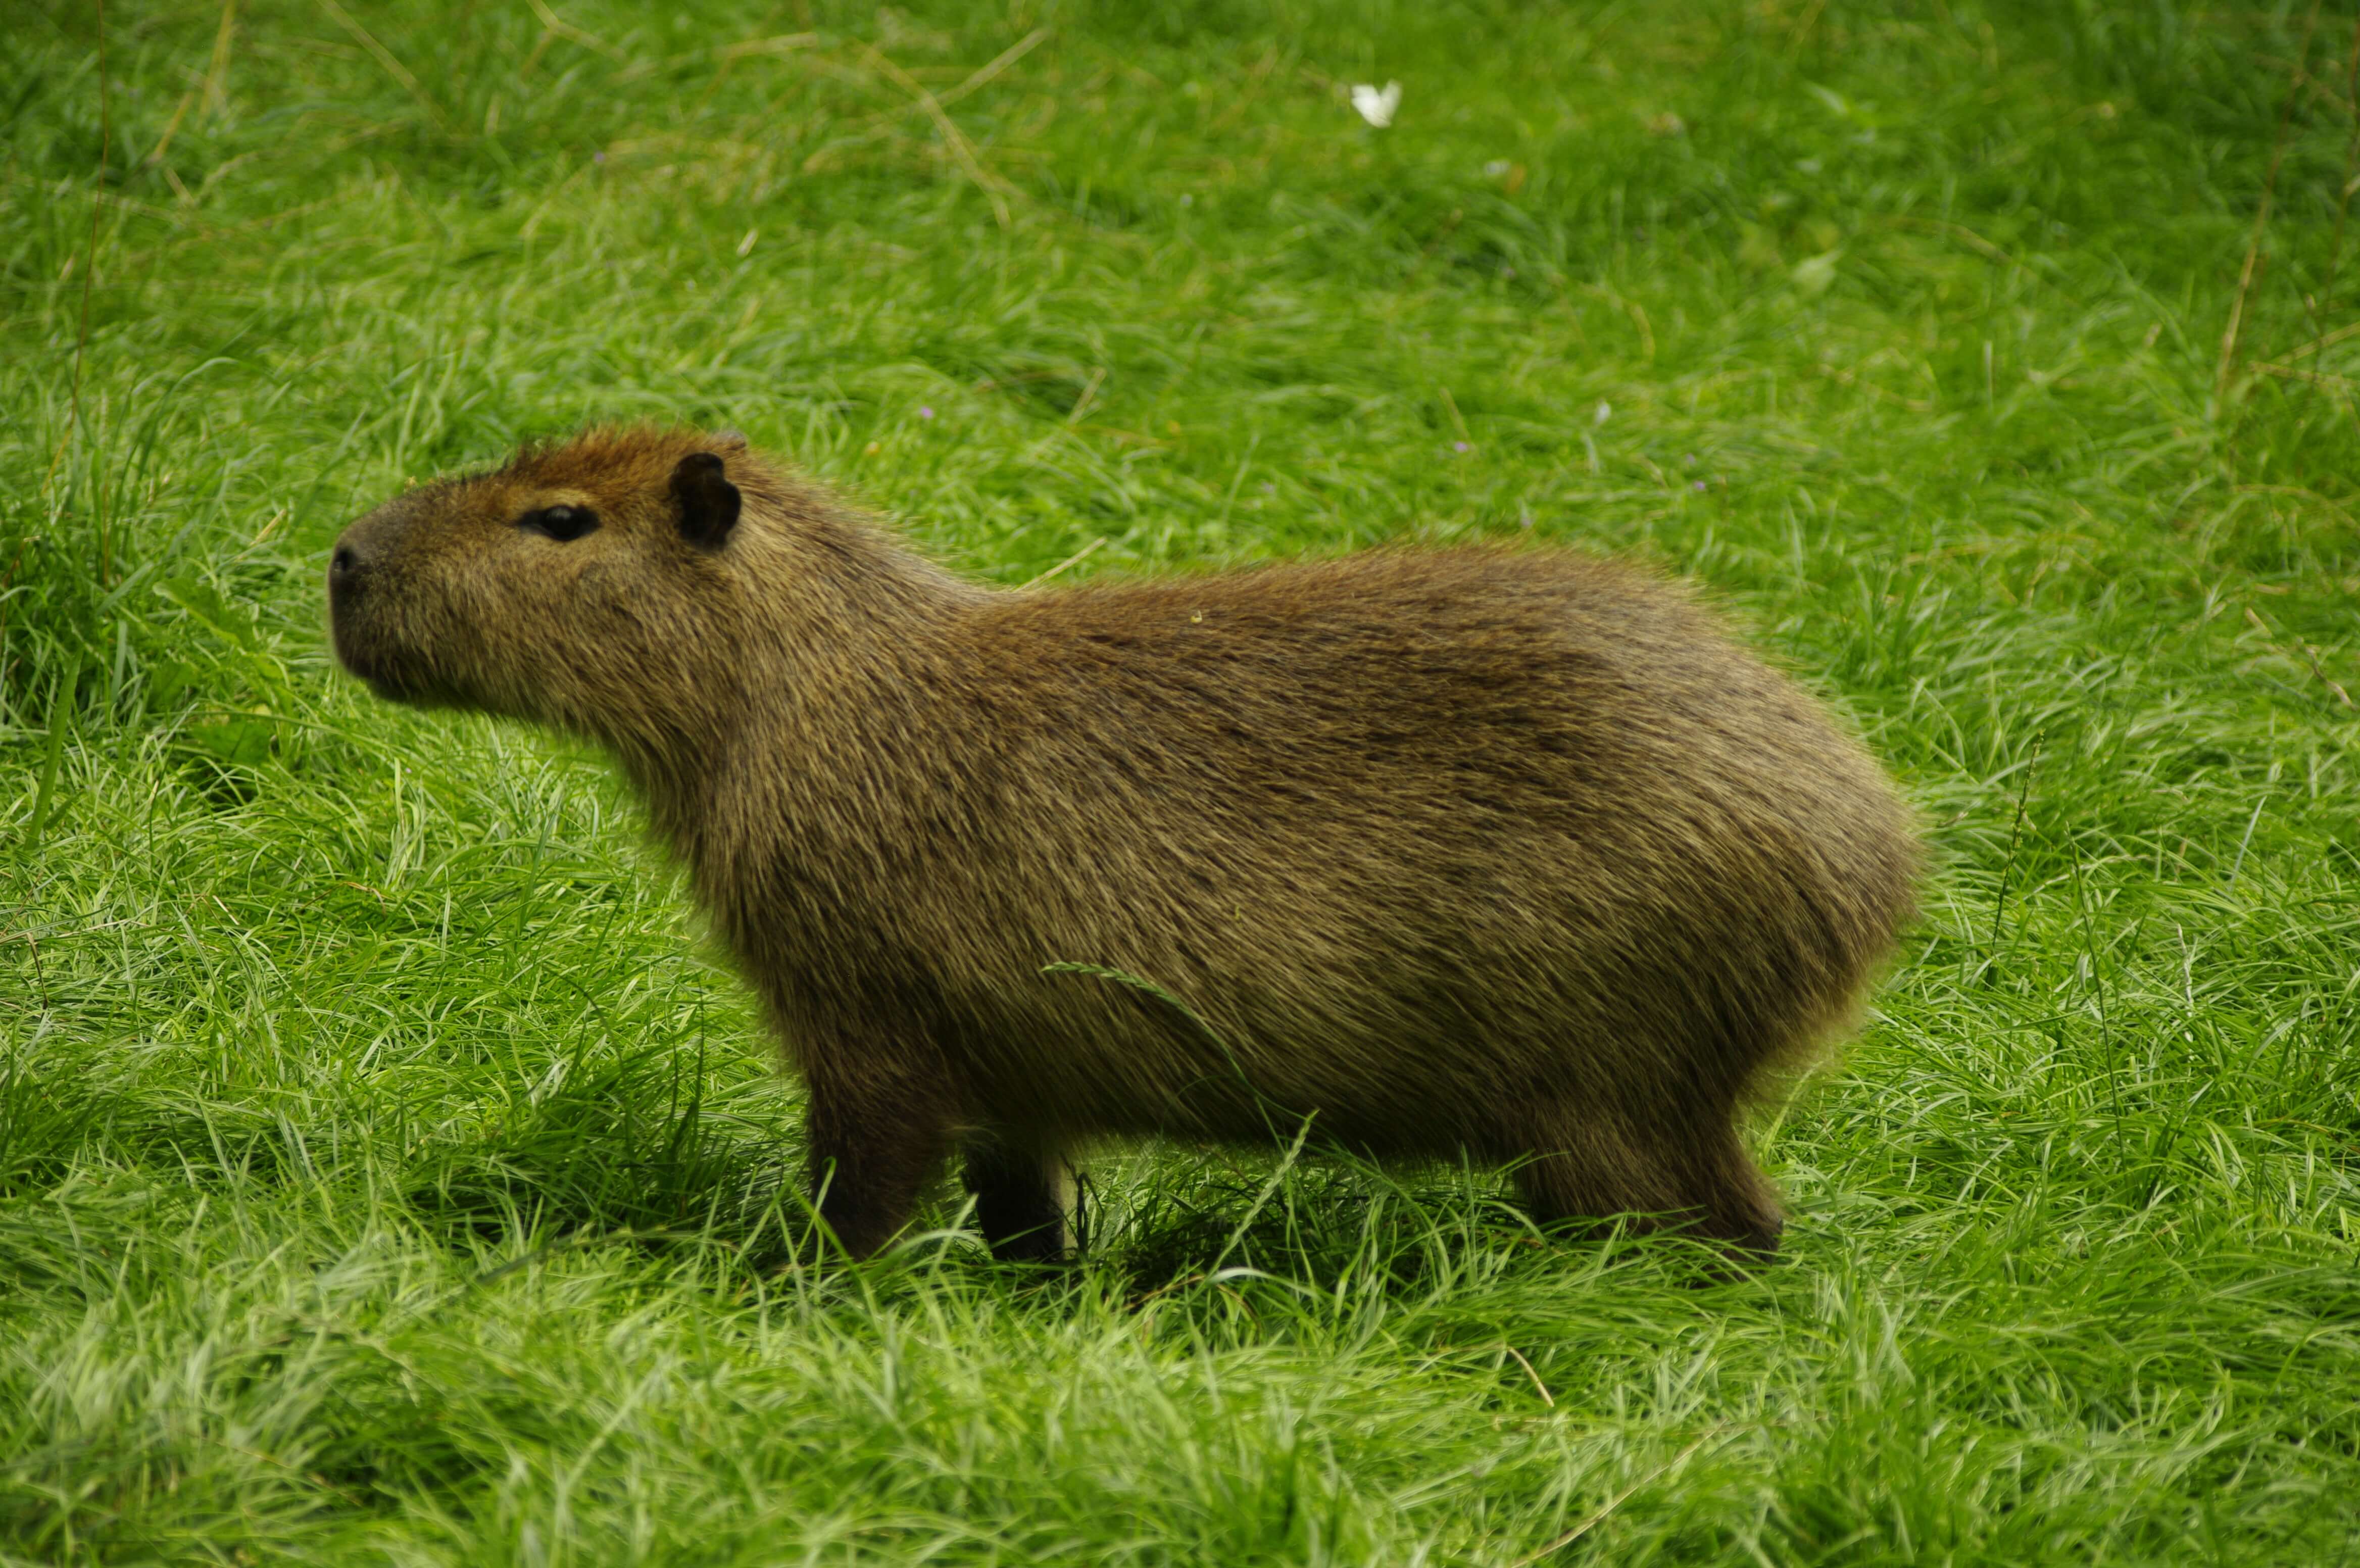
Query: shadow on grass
x=600, y=1168
x=1164, y=1221
x=630, y=1148
x=623, y=1146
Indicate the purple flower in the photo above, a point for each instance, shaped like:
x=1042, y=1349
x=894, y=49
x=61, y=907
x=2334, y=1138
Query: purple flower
x=1459, y=446
x=1700, y=484
x=599, y=157
x=925, y=412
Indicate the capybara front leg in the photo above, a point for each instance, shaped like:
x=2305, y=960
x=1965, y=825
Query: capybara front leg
x=1024, y=1198
x=871, y=1153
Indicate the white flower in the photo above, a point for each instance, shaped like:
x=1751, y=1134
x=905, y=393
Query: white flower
x=1377, y=107
x=1814, y=273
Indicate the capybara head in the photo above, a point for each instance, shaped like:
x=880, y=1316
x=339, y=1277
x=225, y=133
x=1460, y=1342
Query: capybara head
x=591, y=585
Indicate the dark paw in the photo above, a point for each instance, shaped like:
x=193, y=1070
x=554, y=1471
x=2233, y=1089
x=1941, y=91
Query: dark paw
x=1044, y=1245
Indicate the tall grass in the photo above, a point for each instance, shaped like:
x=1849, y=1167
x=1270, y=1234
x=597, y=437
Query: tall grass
x=387, y=1172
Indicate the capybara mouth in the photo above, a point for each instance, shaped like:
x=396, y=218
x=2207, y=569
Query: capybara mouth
x=353, y=651
x=394, y=688
x=407, y=686
x=387, y=675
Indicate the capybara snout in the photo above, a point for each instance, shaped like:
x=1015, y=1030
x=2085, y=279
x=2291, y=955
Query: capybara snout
x=1511, y=853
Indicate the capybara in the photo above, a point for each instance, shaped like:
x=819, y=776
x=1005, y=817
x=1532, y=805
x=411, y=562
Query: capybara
x=1503, y=852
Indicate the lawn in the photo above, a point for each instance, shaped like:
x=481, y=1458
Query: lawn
x=390, y=1173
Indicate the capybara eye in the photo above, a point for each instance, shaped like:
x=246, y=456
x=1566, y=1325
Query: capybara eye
x=562, y=523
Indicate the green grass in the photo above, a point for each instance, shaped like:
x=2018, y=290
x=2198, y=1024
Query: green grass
x=388, y=1173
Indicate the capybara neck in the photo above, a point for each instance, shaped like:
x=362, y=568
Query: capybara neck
x=840, y=636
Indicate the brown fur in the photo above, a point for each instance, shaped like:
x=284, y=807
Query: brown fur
x=1511, y=853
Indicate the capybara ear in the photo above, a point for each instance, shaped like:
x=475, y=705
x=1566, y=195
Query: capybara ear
x=729, y=440
x=708, y=503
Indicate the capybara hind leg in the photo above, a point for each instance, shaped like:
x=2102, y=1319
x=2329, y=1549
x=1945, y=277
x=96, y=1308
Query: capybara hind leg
x=1718, y=1193
x=1680, y=1178
x=1024, y=1200
x=1739, y=1205
x=1579, y=1176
